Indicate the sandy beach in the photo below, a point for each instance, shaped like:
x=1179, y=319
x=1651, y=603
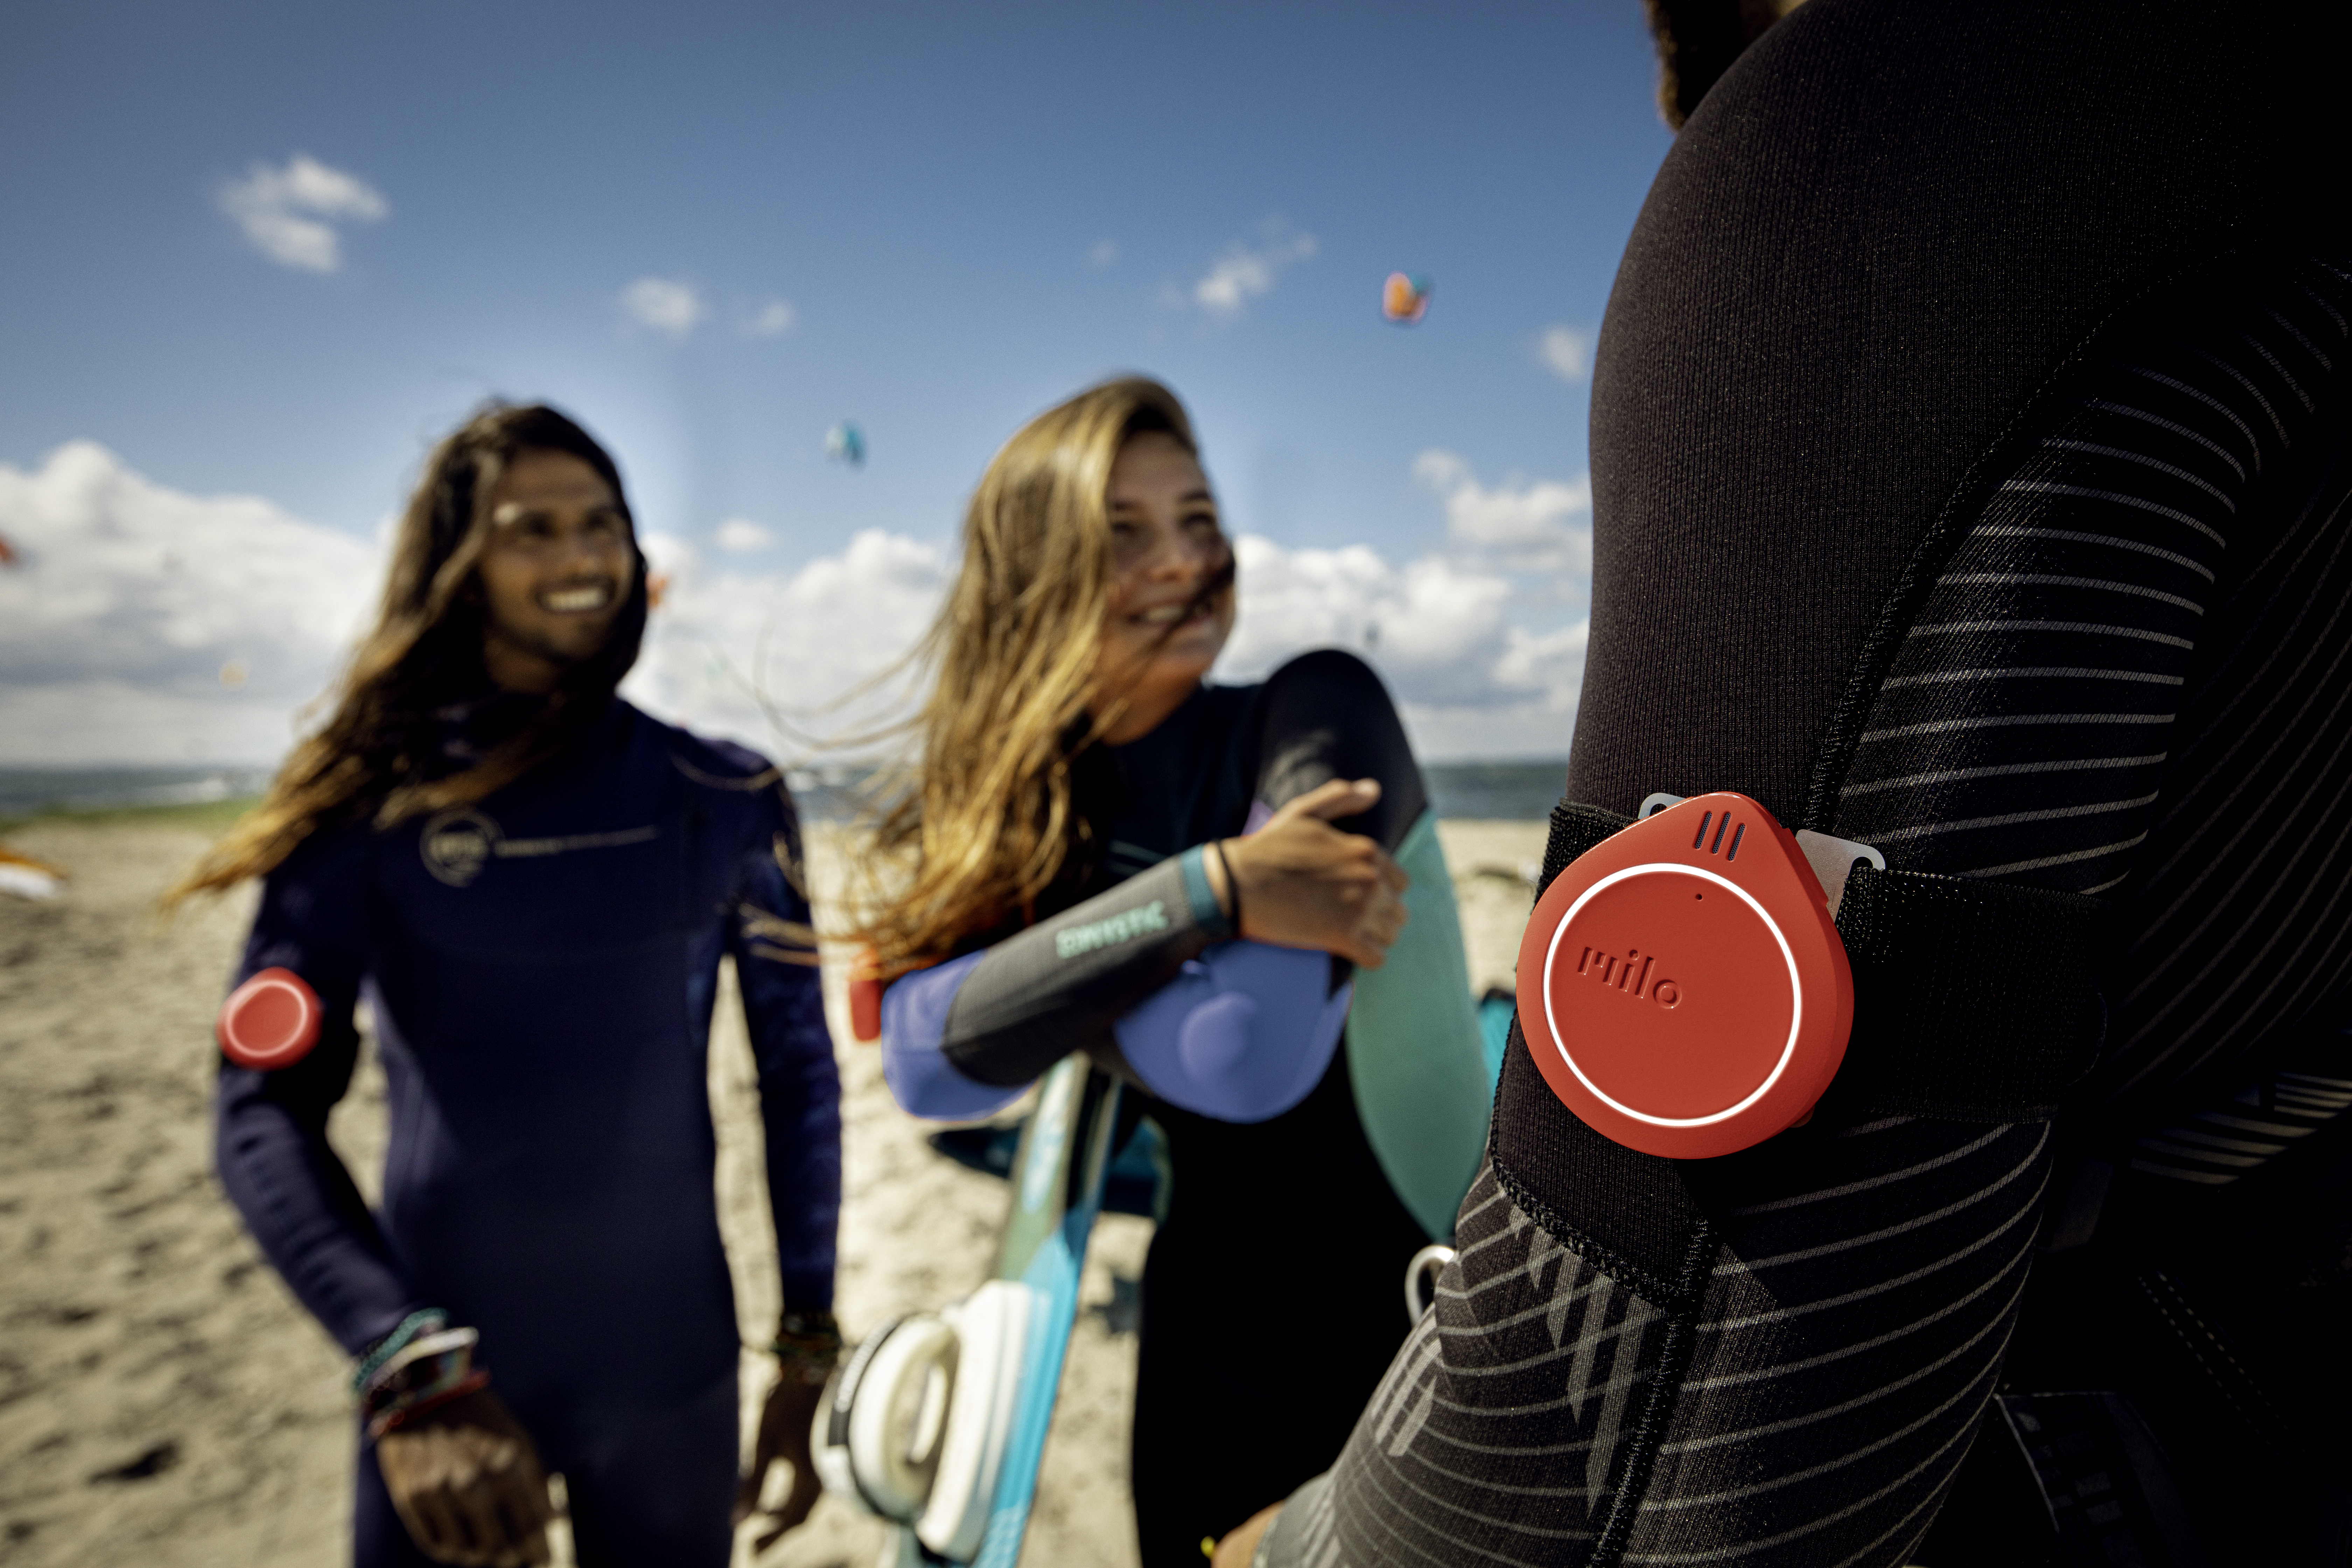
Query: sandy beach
x=165, y=1401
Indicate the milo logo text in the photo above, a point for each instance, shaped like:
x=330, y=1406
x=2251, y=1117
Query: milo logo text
x=1632, y=974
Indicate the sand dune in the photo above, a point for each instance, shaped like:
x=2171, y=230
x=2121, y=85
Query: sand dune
x=165, y=1401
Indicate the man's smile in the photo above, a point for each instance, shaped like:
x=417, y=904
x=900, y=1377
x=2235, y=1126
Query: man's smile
x=577, y=598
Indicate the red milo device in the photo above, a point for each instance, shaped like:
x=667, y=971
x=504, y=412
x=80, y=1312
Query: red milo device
x=1682, y=985
x=270, y=1021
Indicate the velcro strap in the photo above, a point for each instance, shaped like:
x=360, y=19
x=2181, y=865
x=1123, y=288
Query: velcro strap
x=1974, y=1001
x=1575, y=830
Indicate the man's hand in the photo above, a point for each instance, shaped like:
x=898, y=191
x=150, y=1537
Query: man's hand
x=784, y=1426
x=1240, y=1545
x=1303, y=883
x=466, y=1482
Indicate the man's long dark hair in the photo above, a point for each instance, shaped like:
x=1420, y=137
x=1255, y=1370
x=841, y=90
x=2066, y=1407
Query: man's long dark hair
x=380, y=755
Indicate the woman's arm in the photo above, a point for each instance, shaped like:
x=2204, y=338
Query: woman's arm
x=1239, y=1030
x=1413, y=1050
x=963, y=1039
x=270, y=1128
x=1235, y=1030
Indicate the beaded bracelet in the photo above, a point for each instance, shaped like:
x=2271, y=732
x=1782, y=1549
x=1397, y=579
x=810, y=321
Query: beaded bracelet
x=808, y=1344
x=423, y=1374
x=393, y=1420
x=430, y=1320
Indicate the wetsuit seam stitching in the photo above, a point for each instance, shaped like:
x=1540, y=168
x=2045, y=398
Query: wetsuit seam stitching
x=1608, y=1260
x=1673, y=1364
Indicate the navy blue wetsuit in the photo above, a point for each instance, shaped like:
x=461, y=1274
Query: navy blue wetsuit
x=542, y=969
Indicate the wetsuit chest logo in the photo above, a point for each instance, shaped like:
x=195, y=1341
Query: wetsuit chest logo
x=458, y=843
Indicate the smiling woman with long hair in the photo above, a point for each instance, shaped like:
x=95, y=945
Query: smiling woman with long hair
x=1206, y=888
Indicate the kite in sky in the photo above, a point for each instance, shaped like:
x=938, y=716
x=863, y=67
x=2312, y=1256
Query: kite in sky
x=847, y=442
x=1404, y=297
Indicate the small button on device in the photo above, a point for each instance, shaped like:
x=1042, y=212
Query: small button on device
x=270, y=1021
x=1682, y=985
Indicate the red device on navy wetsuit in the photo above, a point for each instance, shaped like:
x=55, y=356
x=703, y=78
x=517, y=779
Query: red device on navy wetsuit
x=270, y=1021
x=1682, y=985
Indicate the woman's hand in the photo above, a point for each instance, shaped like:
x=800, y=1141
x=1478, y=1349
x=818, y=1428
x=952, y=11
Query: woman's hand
x=1303, y=883
x=466, y=1480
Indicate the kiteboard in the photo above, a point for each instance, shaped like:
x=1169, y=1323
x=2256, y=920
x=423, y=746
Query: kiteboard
x=938, y=1422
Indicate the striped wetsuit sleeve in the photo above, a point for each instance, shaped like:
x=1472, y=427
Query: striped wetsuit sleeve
x=1780, y=1357
x=800, y=1088
x=270, y=1128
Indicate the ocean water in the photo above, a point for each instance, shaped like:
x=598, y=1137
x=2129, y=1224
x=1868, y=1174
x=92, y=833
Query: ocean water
x=1512, y=792
x=26, y=790
x=1509, y=791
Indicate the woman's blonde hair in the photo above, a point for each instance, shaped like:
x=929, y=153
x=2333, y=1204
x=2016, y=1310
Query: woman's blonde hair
x=380, y=754
x=990, y=824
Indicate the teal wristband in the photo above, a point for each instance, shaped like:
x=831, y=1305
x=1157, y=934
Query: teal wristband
x=1203, y=899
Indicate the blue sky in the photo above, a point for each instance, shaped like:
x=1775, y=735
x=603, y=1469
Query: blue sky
x=964, y=212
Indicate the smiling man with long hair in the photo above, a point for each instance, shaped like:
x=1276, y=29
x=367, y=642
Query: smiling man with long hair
x=531, y=883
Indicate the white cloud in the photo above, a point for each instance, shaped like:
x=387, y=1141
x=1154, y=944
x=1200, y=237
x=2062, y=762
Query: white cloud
x=1481, y=639
x=771, y=319
x=739, y=533
x=1566, y=353
x=1243, y=273
x=734, y=653
x=1103, y=252
x=1440, y=631
x=1479, y=666
x=1539, y=660
x=664, y=305
x=132, y=600
x=1527, y=524
x=290, y=214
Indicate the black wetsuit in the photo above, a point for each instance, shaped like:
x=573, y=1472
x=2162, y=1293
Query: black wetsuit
x=1220, y=1411
x=1227, y=1414
x=1971, y=470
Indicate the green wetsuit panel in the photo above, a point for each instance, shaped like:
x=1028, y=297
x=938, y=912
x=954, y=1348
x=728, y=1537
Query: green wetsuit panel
x=1413, y=1050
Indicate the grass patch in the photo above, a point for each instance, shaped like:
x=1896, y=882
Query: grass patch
x=211, y=817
